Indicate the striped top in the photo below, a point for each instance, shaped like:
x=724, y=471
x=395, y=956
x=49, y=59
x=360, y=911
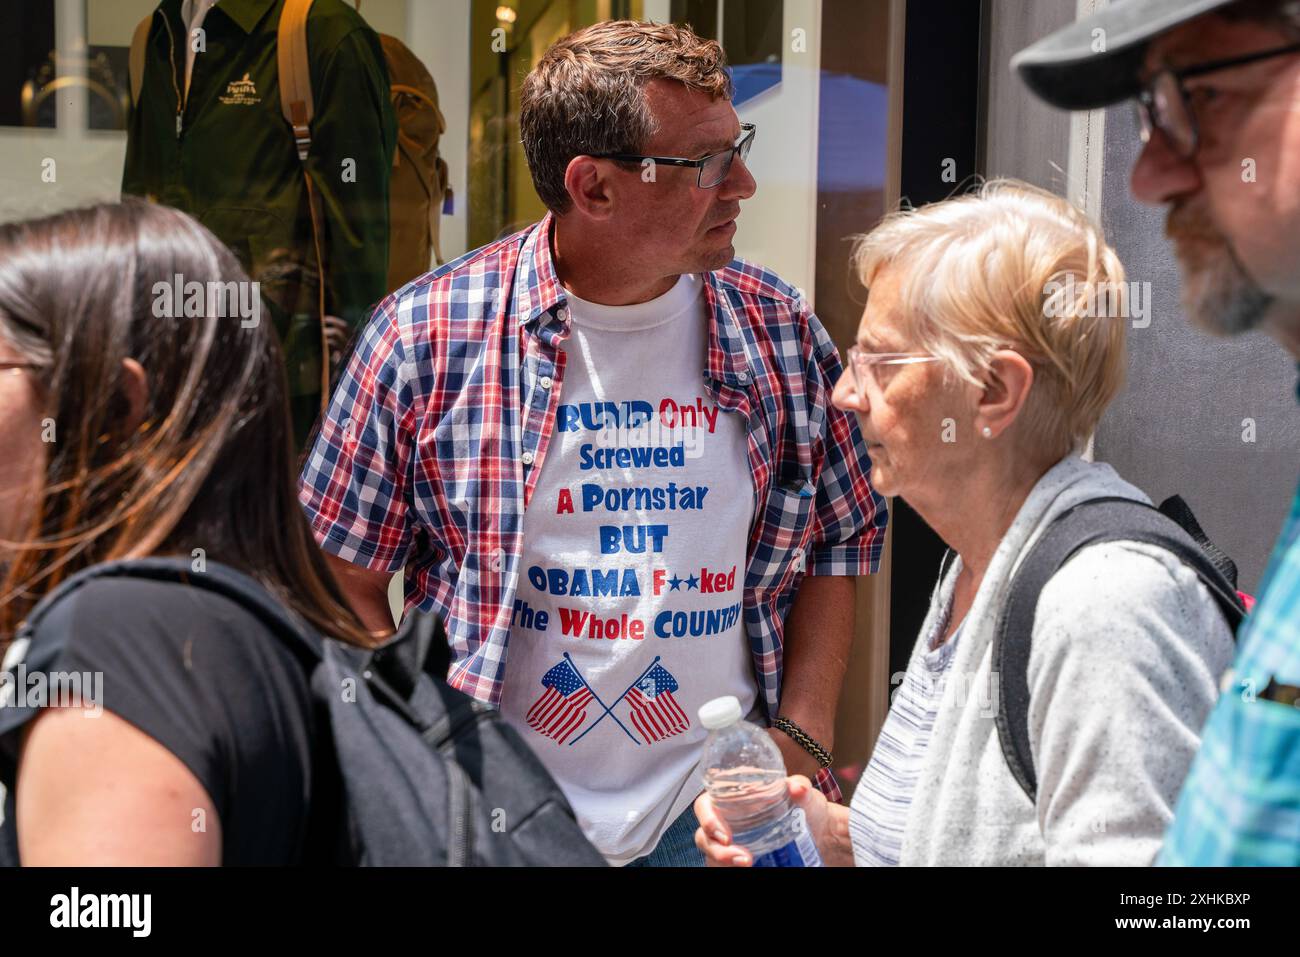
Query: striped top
x=883, y=797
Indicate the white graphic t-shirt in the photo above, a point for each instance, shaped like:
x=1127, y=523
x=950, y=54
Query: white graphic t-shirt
x=628, y=615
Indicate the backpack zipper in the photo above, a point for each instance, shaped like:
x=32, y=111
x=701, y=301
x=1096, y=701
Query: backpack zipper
x=459, y=844
x=171, y=55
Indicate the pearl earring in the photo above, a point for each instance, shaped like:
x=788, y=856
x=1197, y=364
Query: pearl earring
x=986, y=432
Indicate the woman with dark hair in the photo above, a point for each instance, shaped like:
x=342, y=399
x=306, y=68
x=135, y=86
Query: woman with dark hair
x=142, y=415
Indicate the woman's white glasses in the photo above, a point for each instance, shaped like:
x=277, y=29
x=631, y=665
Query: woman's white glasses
x=863, y=364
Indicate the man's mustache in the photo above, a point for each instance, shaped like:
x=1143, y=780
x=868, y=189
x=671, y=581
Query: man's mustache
x=1186, y=221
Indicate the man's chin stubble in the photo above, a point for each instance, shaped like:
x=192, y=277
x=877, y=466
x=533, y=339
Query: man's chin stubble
x=1220, y=298
x=1218, y=295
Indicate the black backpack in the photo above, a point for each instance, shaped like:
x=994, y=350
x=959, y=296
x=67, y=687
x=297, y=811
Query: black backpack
x=1172, y=527
x=430, y=776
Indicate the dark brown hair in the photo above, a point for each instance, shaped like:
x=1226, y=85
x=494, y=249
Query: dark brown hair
x=585, y=96
x=210, y=463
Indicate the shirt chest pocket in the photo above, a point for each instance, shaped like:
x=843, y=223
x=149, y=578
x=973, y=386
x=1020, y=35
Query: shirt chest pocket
x=784, y=535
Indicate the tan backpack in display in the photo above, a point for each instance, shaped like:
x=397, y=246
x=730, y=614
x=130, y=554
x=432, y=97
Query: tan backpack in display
x=419, y=185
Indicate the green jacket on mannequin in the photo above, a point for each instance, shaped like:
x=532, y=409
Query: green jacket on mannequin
x=224, y=153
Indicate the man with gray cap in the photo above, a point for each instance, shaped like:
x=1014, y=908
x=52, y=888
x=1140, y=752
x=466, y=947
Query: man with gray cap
x=1217, y=85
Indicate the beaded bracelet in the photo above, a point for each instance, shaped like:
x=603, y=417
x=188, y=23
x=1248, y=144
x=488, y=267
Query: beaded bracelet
x=804, y=740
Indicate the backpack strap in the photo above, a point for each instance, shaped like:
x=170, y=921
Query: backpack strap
x=234, y=585
x=1180, y=512
x=298, y=105
x=296, y=101
x=220, y=579
x=136, y=60
x=1088, y=523
x=419, y=646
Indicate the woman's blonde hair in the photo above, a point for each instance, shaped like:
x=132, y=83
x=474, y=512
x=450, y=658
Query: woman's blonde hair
x=1011, y=266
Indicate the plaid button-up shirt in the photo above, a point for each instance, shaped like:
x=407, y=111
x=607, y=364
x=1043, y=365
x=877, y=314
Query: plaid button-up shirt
x=1241, y=802
x=435, y=437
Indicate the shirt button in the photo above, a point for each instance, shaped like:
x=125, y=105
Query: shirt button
x=496, y=559
x=742, y=377
x=527, y=458
x=562, y=314
x=545, y=382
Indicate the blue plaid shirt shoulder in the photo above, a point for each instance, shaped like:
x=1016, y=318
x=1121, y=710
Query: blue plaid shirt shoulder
x=1241, y=802
x=435, y=436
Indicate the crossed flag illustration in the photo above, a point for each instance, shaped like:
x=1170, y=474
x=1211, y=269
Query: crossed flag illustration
x=562, y=708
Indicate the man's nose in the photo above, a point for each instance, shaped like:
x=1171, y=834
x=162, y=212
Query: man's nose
x=740, y=182
x=1160, y=175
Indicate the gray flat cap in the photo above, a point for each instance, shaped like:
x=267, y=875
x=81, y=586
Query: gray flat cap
x=1077, y=68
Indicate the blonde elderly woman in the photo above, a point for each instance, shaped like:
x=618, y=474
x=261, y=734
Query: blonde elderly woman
x=975, y=395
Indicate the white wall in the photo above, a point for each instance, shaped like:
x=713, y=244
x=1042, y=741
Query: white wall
x=660, y=11
x=437, y=32
x=778, y=227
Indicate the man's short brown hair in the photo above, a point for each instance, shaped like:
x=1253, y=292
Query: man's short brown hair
x=586, y=95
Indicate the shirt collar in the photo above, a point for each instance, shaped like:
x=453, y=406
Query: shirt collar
x=538, y=290
x=537, y=287
x=191, y=8
x=246, y=14
x=728, y=361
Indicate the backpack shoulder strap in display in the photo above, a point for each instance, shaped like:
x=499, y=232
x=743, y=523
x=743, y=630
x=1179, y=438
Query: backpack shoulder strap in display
x=135, y=61
x=296, y=101
x=1088, y=523
x=299, y=108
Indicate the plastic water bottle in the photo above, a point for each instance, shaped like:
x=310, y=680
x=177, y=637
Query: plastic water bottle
x=745, y=776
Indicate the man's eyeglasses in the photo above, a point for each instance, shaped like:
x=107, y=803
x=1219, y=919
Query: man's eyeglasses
x=713, y=169
x=1166, y=105
x=863, y=365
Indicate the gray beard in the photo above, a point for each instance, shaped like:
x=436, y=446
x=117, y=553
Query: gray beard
x=1226, y=305
x=1218, y=294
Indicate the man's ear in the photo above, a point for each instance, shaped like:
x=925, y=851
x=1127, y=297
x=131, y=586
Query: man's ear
x=588, y=183
x=1005, y=391
x=135, y=389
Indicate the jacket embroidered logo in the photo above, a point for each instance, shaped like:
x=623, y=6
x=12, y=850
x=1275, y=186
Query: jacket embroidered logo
x=241, y=93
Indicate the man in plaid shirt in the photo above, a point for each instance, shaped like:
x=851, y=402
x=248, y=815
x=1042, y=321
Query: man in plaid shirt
x=1218, y=82
x=603, y=450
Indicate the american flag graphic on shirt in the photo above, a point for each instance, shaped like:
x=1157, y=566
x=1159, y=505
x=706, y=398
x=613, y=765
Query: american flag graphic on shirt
x=655, y=712
x=562, y=708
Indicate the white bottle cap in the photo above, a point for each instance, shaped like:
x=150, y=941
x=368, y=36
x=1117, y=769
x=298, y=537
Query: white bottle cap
x=720, y=712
